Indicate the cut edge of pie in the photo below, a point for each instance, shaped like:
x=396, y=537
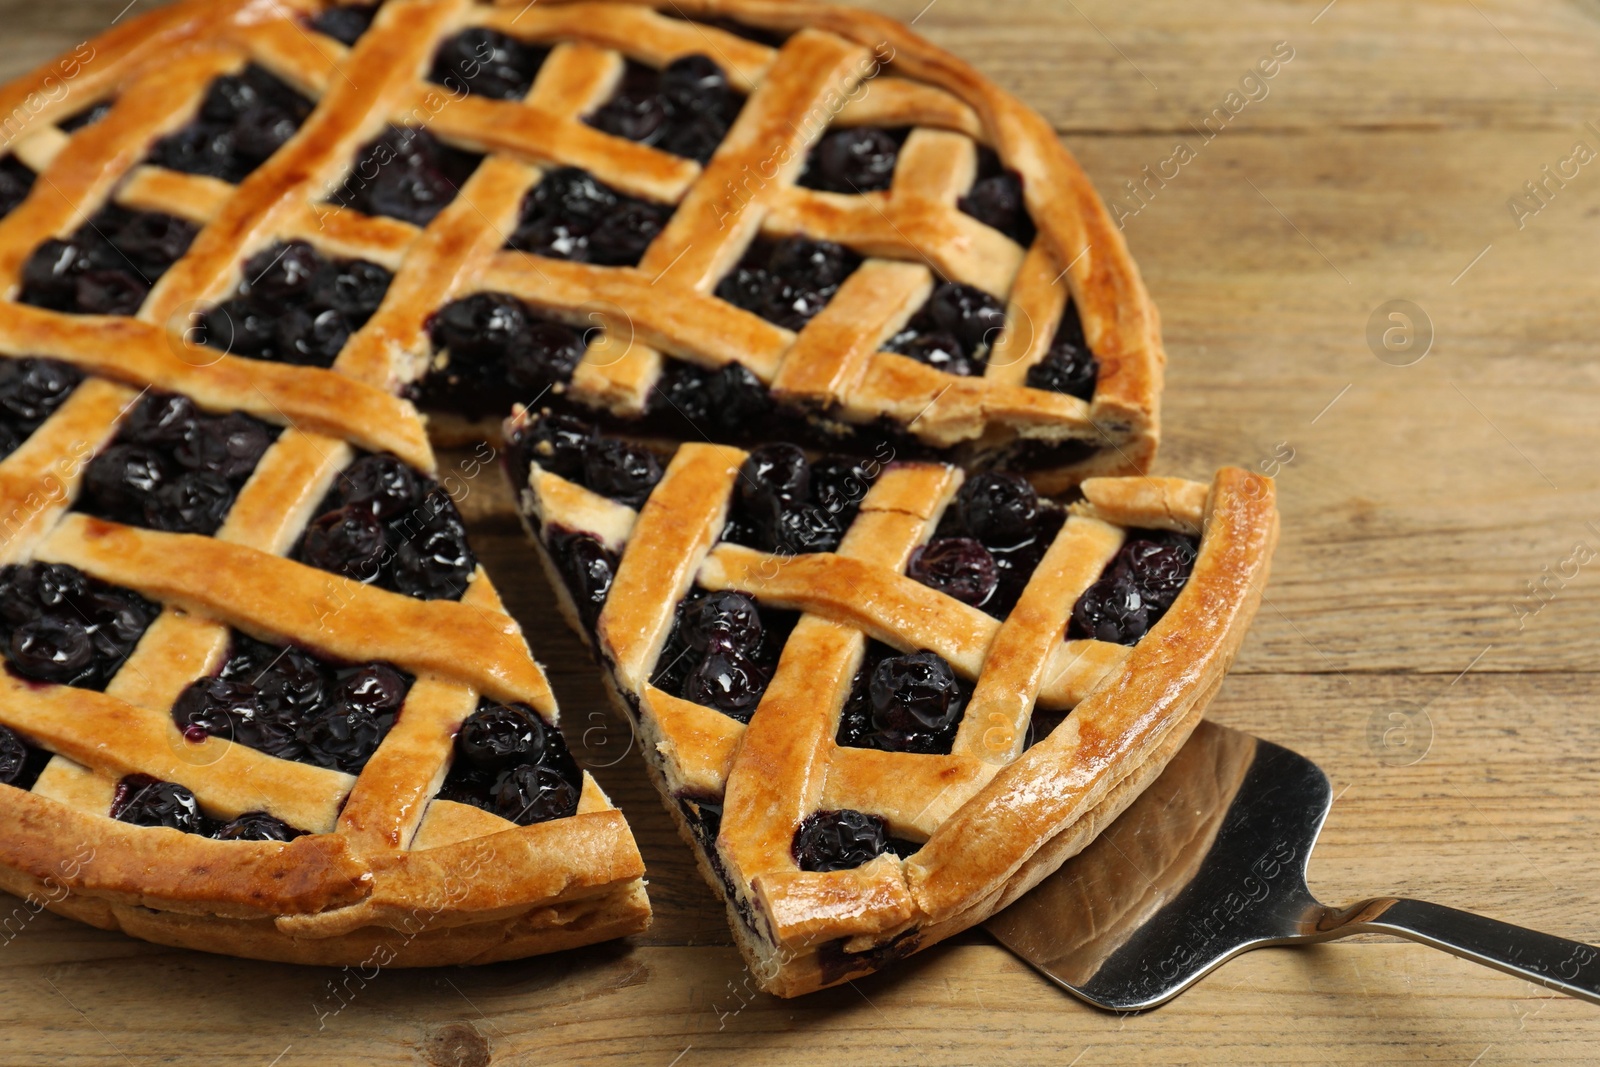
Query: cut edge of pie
x=1012, y=821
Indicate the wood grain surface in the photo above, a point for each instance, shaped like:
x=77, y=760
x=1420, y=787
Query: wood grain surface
x=1399, y=647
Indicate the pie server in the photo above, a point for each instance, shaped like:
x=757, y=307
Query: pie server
x=1210, y=862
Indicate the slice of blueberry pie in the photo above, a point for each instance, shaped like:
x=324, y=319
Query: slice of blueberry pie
x=258, y=696
x=884, y=698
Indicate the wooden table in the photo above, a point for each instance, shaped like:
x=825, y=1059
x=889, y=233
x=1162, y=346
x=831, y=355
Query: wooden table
x=1399, y=645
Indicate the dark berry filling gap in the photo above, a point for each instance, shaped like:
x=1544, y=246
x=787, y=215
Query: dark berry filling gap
x=494, y=349
x=722, y=651
x=292, y=704
x=573, y=449
x=406, y=173
x=1068, y=366
x=571, y=215
x=988, y=542
x=512, y=763
x=60, y=625
x=295, y=305
x=108, y=265
x=1136, y=588
x=903, y=703
x=16, y=181
x=786, y=504
x=345, y=23
x=843, y=840
x=244, y=118
x=859, y=159
x=30, y=392
x=684, y=108
x=20, y=761
x=382, y=523
x=146, y=801
x=788, y=281
x=174, y=468
x=953, y=331
x=995, y=199
x=485, y=62
x=86, y=117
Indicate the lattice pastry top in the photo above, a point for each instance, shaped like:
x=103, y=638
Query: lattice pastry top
x=884, y=698
x=259, y=696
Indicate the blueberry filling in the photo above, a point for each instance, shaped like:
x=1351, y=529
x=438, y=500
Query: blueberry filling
x=587, y=567
x=782, y=503
x=16, y=180
x=62, y=626
x=572, y=449
x=174, y=468
x=294, y=705
x=571, y=215
x=406, y=173
x=486, y=62
x=731, y=400
x=345, y=23
x=843, y=840
x=146, y=801
x=510, y=762
x=953, y=331
x=684, y=108
x=722, y=651
x=20, y=762
x=30, y=392
x=1136, y=589
x=996, y=200
x=1068, y=366
x=988, y=543
x=494, y=345
x=295, y=305
x=903, y=703
x=86, y=117
x=244, y=118
x=860, y=159
x=384, y=524
x=789, y=281
x=108, y=265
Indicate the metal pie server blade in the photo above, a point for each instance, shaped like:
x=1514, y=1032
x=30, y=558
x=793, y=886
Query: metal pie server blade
x=1210, y=862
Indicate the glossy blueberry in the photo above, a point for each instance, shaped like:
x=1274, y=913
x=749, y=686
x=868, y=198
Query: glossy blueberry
x=405, y=173
x=1112, y=609
x=998, y=508
x=107, y=266
x=722, y=621
x=839, y=485
x=487, y=62
x=382, y=485
x=684, y=108
x=532, y=794
x=500, y=737
x=52, y=648
x=775, y=471
x=345, y=23
x=1137, y=588
x=227, y=445
x=152, y=240
x=728, y=681
x=16, y=181
x=730, y=400
x=257, y=825
x=309, y=337
x=354, y=288
x=281, y=274
x=347, y=541
x=482, y=329
x=969, y=314
x=789, y=281
x=913, y=694
x=341, y=739
x=147, y=802
x=1068, y=366
x=161, y=420
x=622, y=471
x=572, y=215
x=216, y=707
x=15, y=756
x=857, y=160
x=839, y=840
x=30, y=392
x=61, y=626
x=959, y=567
x=436, y=564
x=997, y=201
x=550, y=354
x=243, y=119
x=588, y=568
x=558, y=443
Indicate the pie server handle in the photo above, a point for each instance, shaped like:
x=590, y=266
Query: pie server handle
x=1568, y=966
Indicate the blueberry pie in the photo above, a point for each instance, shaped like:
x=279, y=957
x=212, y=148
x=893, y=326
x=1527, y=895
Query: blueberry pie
x=259, y=697
x=883, y=698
